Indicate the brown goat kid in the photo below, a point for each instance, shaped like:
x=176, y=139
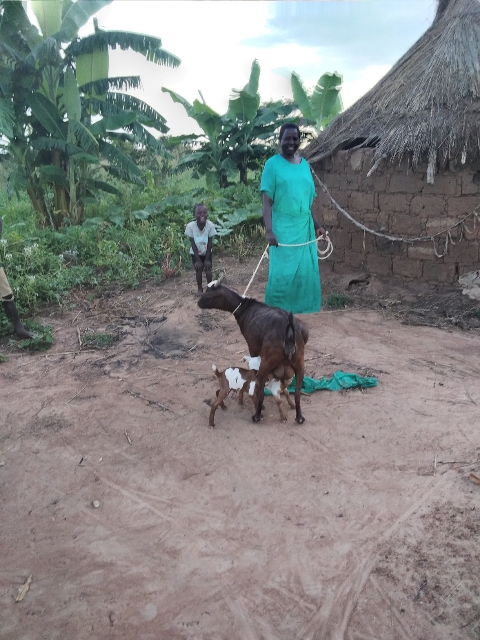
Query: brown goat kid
x=271, y=333
x=233, y=379
x=277, y=384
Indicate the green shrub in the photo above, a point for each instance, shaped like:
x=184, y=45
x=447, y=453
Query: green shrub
x=336, y=300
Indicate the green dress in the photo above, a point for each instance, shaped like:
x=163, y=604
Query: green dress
x=293, y=275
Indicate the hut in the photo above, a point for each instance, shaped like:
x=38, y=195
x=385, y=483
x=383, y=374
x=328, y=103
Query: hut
x=398, y=172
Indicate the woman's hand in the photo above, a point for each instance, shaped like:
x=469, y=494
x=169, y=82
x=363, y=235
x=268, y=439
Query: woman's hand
x=320, y=231
x=271, y=239
x=198, y=264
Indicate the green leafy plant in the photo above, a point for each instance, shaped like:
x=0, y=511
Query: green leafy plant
x=43, y=337
x=336, y=300
x=99, y=340
x=54, y=84
x=323, y=103
x=237, y=141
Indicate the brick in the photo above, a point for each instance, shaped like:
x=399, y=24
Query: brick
x=386, y=247
x=407, y=268
x=354, y=258
x=462, y=206
x=328, y=217
x=421, y=251
x=467, y=268
x=427, y=205
x=380, y=265
x=369, y=219
x=399, y=202
x=343, y=268
x=462, y=253
x=437, y=225
x=341, y=197
x=405, y=225
x=358, y=239
x=338, y=161
x=356, y=160
x=443, y=185
x=470, y=183
x=438, y=272
x=341, y=239
x=383, y=222
x=361, y=202
x=375, y=182
x=405, y=183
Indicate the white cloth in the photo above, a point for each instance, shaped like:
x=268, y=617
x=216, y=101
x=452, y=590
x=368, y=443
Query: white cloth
x=200, y=236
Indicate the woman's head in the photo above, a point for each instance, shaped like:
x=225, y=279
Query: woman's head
x=289, y=138
x=287, y=126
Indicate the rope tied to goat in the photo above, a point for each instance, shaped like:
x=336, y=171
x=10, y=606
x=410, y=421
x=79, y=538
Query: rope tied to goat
x=460, y=226
x=323, y=254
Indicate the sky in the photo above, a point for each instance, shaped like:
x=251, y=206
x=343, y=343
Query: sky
x=218, y=40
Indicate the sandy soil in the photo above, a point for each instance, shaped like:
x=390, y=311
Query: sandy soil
x=361, y=523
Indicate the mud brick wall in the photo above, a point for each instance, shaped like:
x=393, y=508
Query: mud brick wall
x=396, y=200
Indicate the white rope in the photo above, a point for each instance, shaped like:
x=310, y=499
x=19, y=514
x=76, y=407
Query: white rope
x=322, y=255
x=461, y=224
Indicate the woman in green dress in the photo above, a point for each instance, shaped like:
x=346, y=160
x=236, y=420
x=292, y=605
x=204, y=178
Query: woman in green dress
x=287, y=194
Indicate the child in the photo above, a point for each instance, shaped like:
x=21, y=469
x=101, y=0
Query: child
x=200, y=233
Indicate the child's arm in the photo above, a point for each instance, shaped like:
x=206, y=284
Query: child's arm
x=198, y=262
x=208, y=254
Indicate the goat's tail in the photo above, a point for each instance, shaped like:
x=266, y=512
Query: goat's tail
x=216, y=371
x=290, y=348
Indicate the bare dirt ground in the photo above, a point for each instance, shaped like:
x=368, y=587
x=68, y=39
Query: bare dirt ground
x=362, y=523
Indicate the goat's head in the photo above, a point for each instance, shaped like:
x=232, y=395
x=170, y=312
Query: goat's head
x=218, y=296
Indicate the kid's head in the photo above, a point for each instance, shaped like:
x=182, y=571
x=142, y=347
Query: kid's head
x=200, y=214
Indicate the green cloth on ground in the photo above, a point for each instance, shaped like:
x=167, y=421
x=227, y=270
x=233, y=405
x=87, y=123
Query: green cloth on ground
x=293, y=274
x=337, y=382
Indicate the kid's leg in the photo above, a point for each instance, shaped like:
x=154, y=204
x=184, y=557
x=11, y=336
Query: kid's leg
x=208, y=274
x=198, y=275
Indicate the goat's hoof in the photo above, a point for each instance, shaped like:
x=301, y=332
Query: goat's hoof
x=300, y=420
x=256, y=418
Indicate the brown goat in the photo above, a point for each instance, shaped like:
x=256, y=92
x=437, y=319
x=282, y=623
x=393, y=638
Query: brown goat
x=233, y=379
x=277, y=384
x=271, y=333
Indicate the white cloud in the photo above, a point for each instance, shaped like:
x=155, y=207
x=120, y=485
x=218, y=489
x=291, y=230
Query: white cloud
x=364, y=80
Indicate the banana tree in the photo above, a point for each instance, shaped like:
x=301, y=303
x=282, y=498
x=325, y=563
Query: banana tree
x=324, y=102
x=52, y=84
x=237, y=140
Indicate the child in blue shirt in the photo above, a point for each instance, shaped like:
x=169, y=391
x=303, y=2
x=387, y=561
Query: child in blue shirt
x=201, y=232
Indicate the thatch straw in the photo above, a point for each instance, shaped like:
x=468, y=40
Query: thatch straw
x=427, y=106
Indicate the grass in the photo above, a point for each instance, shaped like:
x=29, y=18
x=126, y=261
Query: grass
x=336, y=300
x=122, y=241
x=99, y=340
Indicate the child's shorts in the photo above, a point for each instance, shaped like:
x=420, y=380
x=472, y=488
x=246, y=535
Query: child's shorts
x=202, y=258
x=5, y=290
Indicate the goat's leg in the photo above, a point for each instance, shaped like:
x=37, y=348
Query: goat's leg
x=221, y=395
x=299, y=379
x=222, y=403
x=278, y=400
x=261, y=380
x=291, y=403
x=240, y=396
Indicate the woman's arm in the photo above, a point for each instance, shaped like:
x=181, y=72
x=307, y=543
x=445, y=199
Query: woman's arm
x=319, y=229
x=267, y=218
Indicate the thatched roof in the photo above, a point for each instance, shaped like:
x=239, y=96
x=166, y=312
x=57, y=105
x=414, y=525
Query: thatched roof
x=427, y=106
